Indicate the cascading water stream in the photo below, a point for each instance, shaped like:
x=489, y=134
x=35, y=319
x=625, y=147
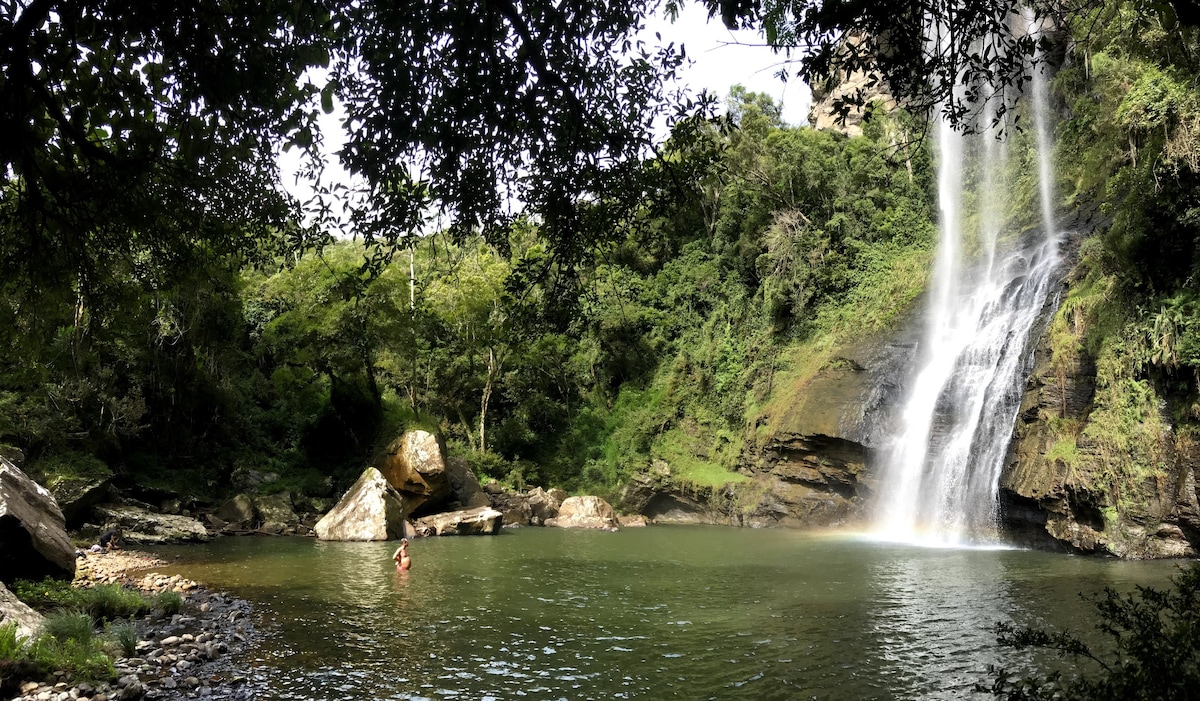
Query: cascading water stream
x=940, y=480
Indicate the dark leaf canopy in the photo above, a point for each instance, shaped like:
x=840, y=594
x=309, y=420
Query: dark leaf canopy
x=147, y=133
x=945, y=56
x=482, y=108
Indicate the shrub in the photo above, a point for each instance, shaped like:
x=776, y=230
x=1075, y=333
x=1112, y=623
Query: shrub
x=67, y=626
x=1154, y=649
x=125, y=634
x=167, y=601
x=108, y=602
x=49, y=594
x=12, y=645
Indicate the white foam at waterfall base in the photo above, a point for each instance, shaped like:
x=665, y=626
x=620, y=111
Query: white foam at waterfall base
x=939, y=480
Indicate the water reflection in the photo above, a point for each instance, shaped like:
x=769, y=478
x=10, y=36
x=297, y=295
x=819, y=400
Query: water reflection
x=951, y=596
x=690, y=613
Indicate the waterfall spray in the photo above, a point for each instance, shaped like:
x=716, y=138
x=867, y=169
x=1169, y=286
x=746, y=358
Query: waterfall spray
x=939, y=482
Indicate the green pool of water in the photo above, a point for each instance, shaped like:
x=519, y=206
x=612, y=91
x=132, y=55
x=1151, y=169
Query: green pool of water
x=654, y=613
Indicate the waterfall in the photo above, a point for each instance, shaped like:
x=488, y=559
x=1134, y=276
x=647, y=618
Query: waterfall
x=940, y=477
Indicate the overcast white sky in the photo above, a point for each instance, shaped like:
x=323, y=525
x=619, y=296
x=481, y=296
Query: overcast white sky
x=719, y=59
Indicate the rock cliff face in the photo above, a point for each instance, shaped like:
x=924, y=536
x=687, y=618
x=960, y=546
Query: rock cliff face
x=813, y=462
x=1094, y=469
x=843, y=86
x=809, y=463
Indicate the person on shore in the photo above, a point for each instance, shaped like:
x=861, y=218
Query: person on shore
x=110, y=540
x=401, y=558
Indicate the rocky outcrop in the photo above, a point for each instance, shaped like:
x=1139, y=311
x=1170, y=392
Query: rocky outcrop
x=33, y=532
x=415, y=466
x=464, y=486
x=544, y=505
x=1073, y=482
x=13, y=610
x=585, y=512
x=810, y=465
x=655, y=495
x=370, y=510
x=515, y=508
x=237, y=512
x=142, y=526
x=276, y=512
x=483, y=520
x=76, y=497
x=858, y=89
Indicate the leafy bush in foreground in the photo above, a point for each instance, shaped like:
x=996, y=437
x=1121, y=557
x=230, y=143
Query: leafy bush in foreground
x=1155, y=649
x=77, y=651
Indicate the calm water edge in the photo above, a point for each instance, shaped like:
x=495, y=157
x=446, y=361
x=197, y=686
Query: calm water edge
x=676, y=612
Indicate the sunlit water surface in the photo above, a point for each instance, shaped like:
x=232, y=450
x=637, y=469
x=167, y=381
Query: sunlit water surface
x=654, y=613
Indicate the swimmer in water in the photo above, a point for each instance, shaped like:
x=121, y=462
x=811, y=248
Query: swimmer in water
x=401, y=558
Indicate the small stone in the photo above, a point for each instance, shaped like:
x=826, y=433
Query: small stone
x=187, y=637
x=170, y=640
x=28, y=687
x=192, y=682
x=168, y=683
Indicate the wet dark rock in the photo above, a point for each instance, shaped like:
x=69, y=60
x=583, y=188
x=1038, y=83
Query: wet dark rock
x=514, y=508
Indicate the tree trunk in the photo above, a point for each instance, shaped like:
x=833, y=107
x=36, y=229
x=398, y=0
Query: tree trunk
x=487, y=397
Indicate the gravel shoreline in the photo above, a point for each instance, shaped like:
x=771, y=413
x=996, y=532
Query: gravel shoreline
x=198, y=653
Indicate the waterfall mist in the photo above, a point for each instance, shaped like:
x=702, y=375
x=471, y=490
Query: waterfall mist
x=940, y=472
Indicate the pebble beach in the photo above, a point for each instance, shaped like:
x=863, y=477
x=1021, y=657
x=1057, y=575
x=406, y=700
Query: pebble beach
x=193, y=654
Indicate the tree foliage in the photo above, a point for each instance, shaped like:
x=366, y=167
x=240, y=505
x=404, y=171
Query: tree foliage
x=1152, y=651
x=934, y=55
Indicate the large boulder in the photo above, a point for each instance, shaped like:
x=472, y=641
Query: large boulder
x=370, y=510
x=13, y=610
x=237, y=512
x=479, y=521
x=33, y=533
x=464, y=485
x=276, y=512
x=142, y=526
x=77, y=496
x=415, y=466
x=515, y=509
x=544, y=505
x=585, y=512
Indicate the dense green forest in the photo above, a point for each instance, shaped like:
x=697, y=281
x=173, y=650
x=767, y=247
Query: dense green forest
x=748, y=252
x=308, y=364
